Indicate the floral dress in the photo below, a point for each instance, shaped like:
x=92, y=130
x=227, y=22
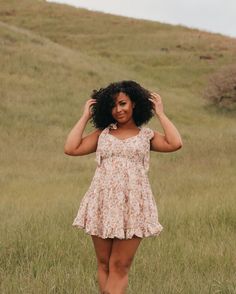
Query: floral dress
x=119, y=202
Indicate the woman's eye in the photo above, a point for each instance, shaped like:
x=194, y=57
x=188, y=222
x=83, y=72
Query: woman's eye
x=122, y=104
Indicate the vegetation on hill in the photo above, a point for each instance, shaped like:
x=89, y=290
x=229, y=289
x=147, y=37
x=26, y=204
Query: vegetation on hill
x=221, y=88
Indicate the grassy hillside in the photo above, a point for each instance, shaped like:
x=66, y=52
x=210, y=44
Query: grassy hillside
x=51, y=57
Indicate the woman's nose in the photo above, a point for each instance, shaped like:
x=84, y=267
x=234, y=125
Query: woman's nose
x=118, y=108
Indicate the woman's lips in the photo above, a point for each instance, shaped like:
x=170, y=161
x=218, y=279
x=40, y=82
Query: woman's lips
x=120, y=115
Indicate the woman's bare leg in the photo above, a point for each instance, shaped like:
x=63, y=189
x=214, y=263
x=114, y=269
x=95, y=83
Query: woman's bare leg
x=103, y=251
x=122, y=255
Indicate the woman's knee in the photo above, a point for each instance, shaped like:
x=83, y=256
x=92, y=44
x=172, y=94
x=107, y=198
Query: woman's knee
x=120, y=267
x=103, y=264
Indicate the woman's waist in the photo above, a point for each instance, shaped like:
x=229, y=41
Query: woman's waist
x=123, y=159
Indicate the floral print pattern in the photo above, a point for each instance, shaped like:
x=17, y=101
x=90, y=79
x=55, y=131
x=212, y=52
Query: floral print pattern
x=119, y=202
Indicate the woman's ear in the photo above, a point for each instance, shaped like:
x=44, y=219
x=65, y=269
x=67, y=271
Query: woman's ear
x=133, y=105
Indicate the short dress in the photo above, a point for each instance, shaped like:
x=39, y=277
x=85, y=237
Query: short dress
x=119, y=202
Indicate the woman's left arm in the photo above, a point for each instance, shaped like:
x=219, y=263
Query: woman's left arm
x=169, y=142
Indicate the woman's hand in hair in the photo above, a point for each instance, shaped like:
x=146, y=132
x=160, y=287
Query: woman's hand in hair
x=157, y=101
x=88, y=108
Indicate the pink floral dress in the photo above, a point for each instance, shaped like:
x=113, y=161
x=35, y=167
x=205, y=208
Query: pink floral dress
x=119, y=202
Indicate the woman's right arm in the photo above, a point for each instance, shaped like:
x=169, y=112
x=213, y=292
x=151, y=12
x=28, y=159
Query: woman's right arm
x=76, y=145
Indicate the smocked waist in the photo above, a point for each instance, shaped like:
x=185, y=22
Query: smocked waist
x=122, y=160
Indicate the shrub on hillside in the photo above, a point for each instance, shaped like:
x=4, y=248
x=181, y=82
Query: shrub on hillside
x=221, y=88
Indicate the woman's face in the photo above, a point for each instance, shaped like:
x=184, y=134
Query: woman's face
x=123, y=109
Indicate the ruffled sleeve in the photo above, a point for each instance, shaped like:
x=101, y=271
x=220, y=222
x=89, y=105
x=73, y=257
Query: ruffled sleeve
x=148, y=134
x=98, y=157
x=100, y=145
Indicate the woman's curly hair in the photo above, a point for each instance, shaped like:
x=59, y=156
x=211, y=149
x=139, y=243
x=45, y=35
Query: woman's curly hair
x=105, y=101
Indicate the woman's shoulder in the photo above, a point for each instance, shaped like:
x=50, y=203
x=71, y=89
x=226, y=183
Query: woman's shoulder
x=148, y=132
x=99, y=132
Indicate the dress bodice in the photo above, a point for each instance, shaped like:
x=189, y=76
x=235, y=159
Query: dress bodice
x=134, y=150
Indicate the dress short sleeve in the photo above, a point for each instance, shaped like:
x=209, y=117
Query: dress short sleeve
x=149, y=133
x=98, y=157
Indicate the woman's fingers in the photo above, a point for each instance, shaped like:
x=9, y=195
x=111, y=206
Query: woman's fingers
x=155, y=98
x=88, y=106
x=155, y=95
x=91, y=100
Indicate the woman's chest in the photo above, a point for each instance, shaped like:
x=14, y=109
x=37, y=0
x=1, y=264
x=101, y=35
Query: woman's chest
x=134, y=146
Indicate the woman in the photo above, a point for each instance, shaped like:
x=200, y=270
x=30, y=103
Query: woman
x=119, y=209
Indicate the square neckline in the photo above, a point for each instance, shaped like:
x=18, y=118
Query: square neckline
x=137, y=135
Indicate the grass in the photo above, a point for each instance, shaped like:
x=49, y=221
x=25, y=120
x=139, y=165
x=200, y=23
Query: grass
x=51, y=59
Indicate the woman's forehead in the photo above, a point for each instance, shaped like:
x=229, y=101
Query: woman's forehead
x=121, y=96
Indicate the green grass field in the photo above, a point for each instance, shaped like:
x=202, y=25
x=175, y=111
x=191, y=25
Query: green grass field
x=51, y=58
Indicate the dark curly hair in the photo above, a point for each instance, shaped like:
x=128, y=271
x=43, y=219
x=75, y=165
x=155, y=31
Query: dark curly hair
x=102, y=109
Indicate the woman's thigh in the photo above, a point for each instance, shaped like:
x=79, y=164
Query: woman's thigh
x=102, y=248
x=123, y=252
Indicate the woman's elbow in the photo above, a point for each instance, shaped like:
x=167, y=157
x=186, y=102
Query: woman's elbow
x=69, y=152
x=179, y=145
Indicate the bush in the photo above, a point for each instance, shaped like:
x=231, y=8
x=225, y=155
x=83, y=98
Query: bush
x=221, y=88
